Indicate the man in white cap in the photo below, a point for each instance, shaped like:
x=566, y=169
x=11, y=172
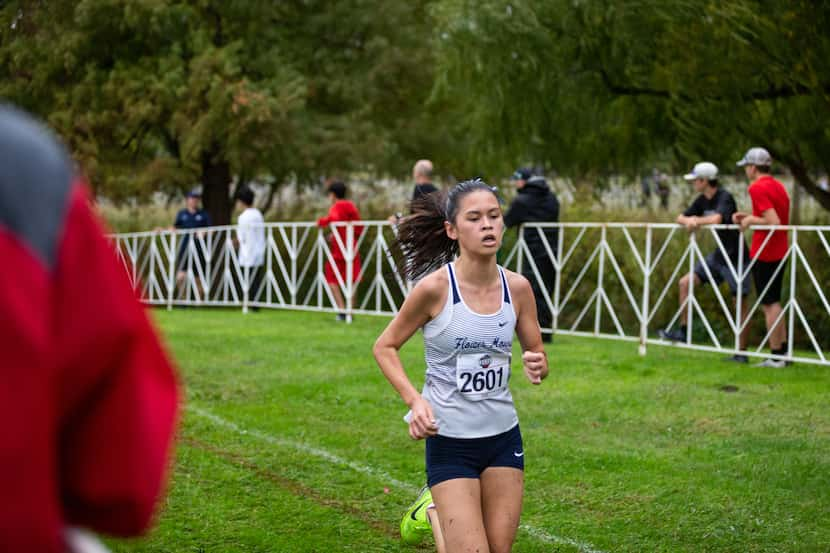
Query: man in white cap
x=770, y=206
x=714, y=206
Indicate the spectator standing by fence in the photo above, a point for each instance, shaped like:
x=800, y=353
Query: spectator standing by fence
x=645, y=191
x=192, y=216
x=535, y=202
x=251, y=235
x=422, y=174
x=89, y=398
x=713, y=206
x=661, y=187
x=770, y=206
x=342, y=210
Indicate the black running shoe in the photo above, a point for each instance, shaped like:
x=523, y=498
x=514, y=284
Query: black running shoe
x=674, y=335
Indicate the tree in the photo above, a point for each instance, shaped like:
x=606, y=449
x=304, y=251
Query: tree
x=162, y=94
x=606, y=85
x=154, y=95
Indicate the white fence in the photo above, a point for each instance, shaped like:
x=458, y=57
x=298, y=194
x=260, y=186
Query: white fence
x=611, y=280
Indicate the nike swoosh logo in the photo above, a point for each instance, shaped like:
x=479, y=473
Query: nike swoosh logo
x=418, y=508
x=520, y=454
x=502, y=324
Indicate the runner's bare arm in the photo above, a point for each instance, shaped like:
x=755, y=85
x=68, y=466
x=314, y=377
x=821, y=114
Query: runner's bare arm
x=534, y=358
x=421, y=305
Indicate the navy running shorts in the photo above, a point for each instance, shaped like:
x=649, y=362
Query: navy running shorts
x=449, y=458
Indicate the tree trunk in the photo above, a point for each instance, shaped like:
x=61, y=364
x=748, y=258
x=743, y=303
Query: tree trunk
x=242, y=181
x=802, y=177
x=273, y=188
x=795, y=205
x=216, y=181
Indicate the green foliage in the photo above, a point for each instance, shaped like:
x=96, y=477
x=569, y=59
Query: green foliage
x=161, y=94
x=164, y=94
x=609, y=85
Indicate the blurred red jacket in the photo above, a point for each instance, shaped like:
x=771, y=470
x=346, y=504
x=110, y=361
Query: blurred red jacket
x=89, y=399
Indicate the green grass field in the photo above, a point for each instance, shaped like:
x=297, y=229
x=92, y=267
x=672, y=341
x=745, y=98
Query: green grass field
x=293, y=441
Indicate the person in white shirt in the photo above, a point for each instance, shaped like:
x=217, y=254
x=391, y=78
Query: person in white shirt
x=251, y=235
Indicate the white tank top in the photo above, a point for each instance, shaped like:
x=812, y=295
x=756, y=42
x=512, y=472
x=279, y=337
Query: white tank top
x=468, y=366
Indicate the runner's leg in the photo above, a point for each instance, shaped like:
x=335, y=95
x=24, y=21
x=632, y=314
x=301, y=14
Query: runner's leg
x=435, y=522
x=501, y=491
x=458, y=502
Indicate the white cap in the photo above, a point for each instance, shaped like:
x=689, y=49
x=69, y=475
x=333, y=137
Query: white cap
x=703, y=170
x=756, y=156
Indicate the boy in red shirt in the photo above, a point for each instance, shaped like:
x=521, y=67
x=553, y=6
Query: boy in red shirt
x=770, y=206
x=89, y=398
x=342, y=210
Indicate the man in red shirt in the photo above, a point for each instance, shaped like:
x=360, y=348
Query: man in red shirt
x=770, y=206
x=89, y=398
x=342, y=210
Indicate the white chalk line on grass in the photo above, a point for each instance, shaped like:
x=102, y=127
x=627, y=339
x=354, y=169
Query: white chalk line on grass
x=541, y=535
x=383, y=476
x=299, y=446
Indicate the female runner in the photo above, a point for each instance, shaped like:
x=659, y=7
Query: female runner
x=469, y=309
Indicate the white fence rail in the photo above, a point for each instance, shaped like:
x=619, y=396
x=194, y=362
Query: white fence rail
x=611, y=280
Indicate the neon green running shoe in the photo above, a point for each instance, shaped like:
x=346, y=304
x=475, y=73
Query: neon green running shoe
x=415, y=524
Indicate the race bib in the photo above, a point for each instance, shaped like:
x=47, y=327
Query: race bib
x=481, y=375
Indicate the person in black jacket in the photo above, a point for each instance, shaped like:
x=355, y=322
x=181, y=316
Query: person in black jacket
x=536, y=202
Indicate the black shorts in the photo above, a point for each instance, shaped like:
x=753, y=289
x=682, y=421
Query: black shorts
x=449, y=458
x=763, y=272
x=720, y=271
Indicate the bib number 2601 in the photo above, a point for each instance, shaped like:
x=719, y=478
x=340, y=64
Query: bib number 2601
x=481, y=375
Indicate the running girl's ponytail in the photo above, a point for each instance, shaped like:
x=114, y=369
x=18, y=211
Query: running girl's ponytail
x=422, y=244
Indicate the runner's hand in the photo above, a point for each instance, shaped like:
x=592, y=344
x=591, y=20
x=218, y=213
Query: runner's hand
x=423, y=423
x=535, y=365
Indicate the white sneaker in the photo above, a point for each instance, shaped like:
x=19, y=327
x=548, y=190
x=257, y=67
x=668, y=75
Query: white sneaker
x=772, y=363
